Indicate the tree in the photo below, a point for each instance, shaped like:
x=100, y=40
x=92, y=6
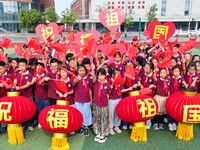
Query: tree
x=128, y=19
x=151, y=15
x=50, y=15
x=69, y=17
x=30, y=19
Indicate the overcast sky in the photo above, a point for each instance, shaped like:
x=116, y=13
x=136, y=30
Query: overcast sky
x=62, y=5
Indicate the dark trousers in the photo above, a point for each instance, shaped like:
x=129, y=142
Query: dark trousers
x=52, y=101
x=158, y=119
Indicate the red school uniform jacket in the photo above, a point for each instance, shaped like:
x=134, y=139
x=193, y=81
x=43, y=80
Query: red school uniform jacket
x=147, y=80
x=116, y=92
x=69, y=87
x=120, y=66
x=189, y=79
x=82, y=89
x=22, y=79
x=3, y=90
x=51, y=93
x=101, y=91
x=162, y=87
x=40, y=91
x=176, y=84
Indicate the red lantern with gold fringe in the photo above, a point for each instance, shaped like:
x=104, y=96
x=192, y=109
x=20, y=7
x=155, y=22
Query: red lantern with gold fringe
x=60, y=119
x=15, y=109
x=184, y=106
x=137, y=109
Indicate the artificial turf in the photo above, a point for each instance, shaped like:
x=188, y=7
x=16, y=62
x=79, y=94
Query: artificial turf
x=38, y=139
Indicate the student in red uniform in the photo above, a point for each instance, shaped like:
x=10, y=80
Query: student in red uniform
x=191, y=76
x=72, y=67
x=148, y=82
x=14, y=69
x=52, y=75
x=176, y=54
x=177, y=82
x=83, y=98
x=23, y=85
x=40, y=92
x=140, y=63
x=100, y=105
x=68, y=57
x=68, y=95
x=162, y=92
x=86, y=63
x=197, y=63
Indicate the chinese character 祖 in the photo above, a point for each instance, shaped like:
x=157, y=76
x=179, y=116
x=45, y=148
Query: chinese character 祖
x=160, y=30
x=47, y=32
x=5, y=108
x=147, y=108
x=191, y=113
x=112, y=19
x=58, y=118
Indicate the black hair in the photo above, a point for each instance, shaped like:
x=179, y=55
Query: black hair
x=71, y=59
x=33, y=62
x=81, y=66
x=23, y=60
x=128, y=61
x=60, y=62
x=86, y=61
x=2, y=63
x=69, y=56
x=41, y=64
x=117, y=53
x=10, y=59
x=2, y=49
x=176, y=67
x=25, y=46
x=198, y=61
x=16, y=59
x=163, y=69
x=101, y=71
x=191, y=64
x=194, y=57
x=177, y=45
x=54, y=60
x=174, y=58
x=114, y=71
x=151, y=65
x=99, y=51
x=106, y=65
x=141, y=61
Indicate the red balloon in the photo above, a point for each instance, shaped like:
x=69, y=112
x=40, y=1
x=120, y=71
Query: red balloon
x=137, y=108
x=16, y=109
x=184, y=108
x=60, y=119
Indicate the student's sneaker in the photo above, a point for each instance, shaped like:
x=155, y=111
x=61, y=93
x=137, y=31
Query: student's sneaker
x=97, y=138
x=130, y=126
x=81, y=131
x=124, y=127
x=112, y=131
x=102, y=139
x=148, y=127
x=155, y=127
x=39, y=126
x=72, y=133
x=161, y=126
x=170, y=127
x=117, y=130
x=86, y=132
x=30, y=128
x=174, y=126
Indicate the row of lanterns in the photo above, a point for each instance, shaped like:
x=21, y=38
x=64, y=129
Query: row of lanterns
x=60, y=119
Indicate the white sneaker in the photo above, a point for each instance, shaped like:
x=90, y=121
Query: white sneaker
x=30, y=128
x=39, y=126
x=112, y=132
x=72, y=133
x=102, y=139
x=161, y=126
x=117, y=130
x=97, y=138
x=174, y=126
x=130, y=126
x=148, y=127
x=165, y=120
x=155, y=127
x=124, y=127
x=170, y=127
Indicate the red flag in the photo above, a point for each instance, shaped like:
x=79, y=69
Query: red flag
x=157, y=54
x=61, y=86
x=162, y=39
x=129, y=73
x=146, y=91
x=111, y=51
x=91, y=45
x=191, y=43
x=2, y=58
x=118, y=35
x=146, y=33
x=186, y=46
x=60, y=29
x=6, y=43
x=71, y=36
x=27, y=55
x=172, y=44
x=59, y=47
x=118, y=80
x=133, y=51
x=18, y=50
x=40, y=70
x=34, y=43
x=107, y=38
x=164, y=63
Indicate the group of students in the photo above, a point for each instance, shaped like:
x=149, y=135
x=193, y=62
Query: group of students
x=92, y=87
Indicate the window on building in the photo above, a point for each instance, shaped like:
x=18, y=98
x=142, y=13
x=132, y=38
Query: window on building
x=132, y=2
x=122, y=7
x=138, y=7
x=118, y=6
x=118, y=2
x=129, y=2
x=133, y=7
x=113, y=3
x=108, y=3
x=142, y=7
x=163, y=7
x=108, y=7
x=139, y=2
x=129, y=7
x=187, y=7
x=112, y=7
x=122, y=2
x=143, y=2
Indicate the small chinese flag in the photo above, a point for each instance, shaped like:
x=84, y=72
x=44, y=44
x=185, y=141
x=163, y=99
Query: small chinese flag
x=61, y=86
x=40, y=70
x=91, y=45
x=34, y=43
x=130, y=72
x=71, y=36
x=157, y=54
x=118, y=80
x=18, y=50
x=133, y=51
x=60, y=29
x=164, y=63
x=27, y=55
x=59, y=47
x=112, y=51
x=162, y=39
x=118, y=35
x=146, y=91
x=107, y=38
x=6, y=43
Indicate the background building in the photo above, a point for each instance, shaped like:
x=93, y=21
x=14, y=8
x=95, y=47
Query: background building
x=10, y=9
x=184, y=13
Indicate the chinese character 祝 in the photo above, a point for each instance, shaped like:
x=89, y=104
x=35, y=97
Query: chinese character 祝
x=5, y=108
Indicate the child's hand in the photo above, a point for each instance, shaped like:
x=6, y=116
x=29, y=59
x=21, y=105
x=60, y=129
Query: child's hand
x=65, y=95
x=1, y=85
x=135, y=86
x=18, y=88
x=130, y=89
x=192, y=85
x=186, y=85
x=90, y=103
x=151, y=86
x=93, y=67
x=61, y=95
x=46, y=78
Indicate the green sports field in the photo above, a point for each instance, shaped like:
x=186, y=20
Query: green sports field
x=39, y=139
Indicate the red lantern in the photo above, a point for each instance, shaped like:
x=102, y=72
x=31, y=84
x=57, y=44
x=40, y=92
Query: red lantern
x=60, y=119
x=137, y=109
x=184, y=106
x=15, y=109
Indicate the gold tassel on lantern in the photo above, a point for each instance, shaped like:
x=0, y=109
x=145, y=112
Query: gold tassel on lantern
x=139, y=132
x=59, y=140
x=15, y=134
x=185, y=131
